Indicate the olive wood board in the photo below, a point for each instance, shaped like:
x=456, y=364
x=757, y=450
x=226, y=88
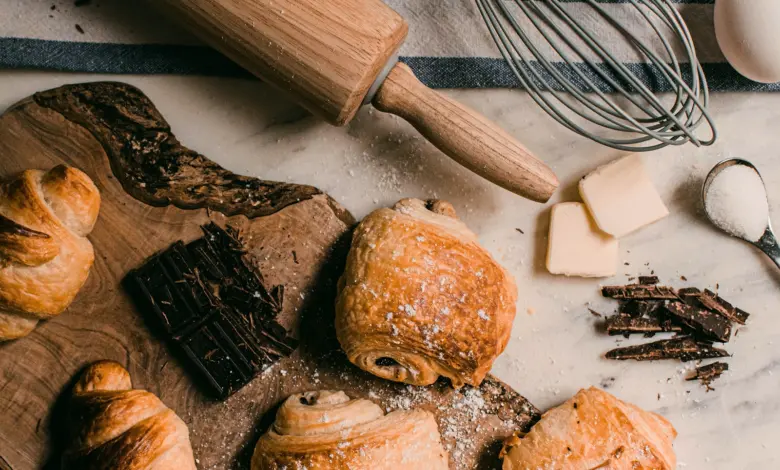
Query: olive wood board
x=155, y=192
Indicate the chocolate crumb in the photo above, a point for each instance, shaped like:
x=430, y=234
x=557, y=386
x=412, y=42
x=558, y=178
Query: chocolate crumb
x=683, y=278
x=519, y=230
x=594, y=313
x=709, y=373
x=79, y=29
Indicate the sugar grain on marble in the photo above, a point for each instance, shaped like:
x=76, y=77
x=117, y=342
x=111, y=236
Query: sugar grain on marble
x=736, y=202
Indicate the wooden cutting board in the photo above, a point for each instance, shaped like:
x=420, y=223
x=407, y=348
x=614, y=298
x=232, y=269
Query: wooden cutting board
x=155, y=192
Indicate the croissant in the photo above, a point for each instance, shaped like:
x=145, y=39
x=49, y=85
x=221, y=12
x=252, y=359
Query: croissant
x=116, y=428
x=327, y=430
x=45, y=256
x=420, y=298
x=594, y=430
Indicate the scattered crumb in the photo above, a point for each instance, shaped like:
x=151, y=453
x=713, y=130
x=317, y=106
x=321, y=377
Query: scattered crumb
x=520, y=230
x=79, y=29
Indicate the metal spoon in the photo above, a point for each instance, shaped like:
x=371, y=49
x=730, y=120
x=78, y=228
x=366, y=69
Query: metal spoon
x=768, y=242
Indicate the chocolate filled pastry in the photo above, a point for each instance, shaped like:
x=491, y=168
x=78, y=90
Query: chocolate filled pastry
x=594, y=430
x=45, y=256
x=420, y=298
x=115, y=427
x=328, y=430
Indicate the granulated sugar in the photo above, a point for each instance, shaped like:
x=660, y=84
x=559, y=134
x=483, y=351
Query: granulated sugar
x=736, y=202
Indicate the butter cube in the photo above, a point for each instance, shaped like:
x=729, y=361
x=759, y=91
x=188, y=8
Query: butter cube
x=576, y=245
x=621, y=197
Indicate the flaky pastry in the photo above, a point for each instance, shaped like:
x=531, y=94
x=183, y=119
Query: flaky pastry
x=115, y=427
x=594, y=430
x=420, y=298
x=45, y=256
x=329, y=431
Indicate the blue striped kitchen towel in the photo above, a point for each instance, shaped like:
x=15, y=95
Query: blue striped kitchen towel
x=448, y=46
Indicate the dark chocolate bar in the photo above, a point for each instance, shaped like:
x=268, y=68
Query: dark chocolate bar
x=215, y=306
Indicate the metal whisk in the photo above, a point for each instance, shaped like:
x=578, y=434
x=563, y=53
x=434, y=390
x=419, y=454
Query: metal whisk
x=577, y=80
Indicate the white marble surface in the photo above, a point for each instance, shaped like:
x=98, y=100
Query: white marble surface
x=557, y=350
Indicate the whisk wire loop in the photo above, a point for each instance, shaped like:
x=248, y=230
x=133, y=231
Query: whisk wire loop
x=578, y=79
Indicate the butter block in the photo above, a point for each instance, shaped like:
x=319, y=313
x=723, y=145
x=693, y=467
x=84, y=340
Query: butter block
x=576, y=245
x=621, y=196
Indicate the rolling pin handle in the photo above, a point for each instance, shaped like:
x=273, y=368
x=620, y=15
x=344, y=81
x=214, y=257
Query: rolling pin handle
x=466, y=136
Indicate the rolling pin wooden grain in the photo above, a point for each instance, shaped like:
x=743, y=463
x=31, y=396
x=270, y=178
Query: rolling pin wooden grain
x=332, y=56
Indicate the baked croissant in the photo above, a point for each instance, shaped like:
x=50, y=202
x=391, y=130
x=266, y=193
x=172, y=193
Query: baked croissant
x=594, y=430
x=420, y=298
x=45, y=256
x=327, y=430
x=116, y=428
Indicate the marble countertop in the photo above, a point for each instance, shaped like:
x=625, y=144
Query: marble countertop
x=556, y=347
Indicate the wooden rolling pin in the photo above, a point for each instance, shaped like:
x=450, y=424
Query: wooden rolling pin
x=332, y=56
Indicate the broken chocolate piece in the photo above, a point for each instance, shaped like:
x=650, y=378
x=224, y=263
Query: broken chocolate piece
x=714, y=302
x=639, y=308
x=684, y=349
x=626, y=325
x=689, y=295
x=648, y=280
x=213, y=303
x=705, y=322
x=639, y=292
x=709, y=373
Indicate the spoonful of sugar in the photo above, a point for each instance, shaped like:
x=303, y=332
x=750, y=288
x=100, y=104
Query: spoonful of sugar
x=736, y=202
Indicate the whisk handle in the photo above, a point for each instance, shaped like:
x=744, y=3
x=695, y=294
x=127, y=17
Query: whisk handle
x=466, y=136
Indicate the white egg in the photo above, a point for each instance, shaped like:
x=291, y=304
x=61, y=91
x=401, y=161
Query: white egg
x=748, y=32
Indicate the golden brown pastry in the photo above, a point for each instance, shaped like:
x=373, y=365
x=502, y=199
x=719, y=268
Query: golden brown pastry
x=329, y=431
x=594, y=430
x=116, y=428
x=45, y=256
x=420, y=298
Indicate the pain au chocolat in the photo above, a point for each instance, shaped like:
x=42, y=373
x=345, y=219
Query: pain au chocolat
x=421, y=298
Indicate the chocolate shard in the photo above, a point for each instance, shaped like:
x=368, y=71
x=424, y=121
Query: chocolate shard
x=689, y=295
x=684, y=349
x=213, y=303
x=714, y=302
x=626, y=325
x=639, y=308
x=704, y=322
x=648, y=280
x=639, y=292
x=709, y=373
